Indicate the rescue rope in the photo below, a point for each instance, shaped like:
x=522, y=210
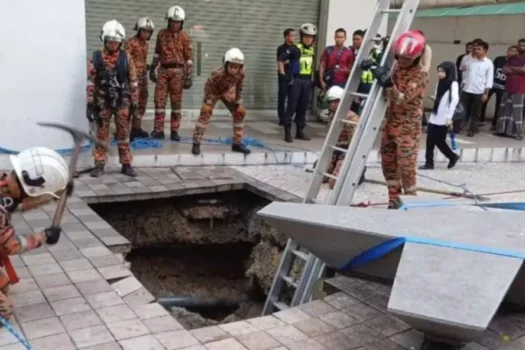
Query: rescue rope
x=17, y=335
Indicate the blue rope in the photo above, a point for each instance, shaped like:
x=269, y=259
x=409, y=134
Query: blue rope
x=20, y=338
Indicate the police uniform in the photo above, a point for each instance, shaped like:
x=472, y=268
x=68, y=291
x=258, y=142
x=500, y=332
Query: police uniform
x=300, y=88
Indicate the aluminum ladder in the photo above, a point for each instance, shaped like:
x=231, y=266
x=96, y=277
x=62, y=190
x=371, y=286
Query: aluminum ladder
x=355, y=158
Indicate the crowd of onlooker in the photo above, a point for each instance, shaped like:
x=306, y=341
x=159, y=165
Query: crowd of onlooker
x=480, y=78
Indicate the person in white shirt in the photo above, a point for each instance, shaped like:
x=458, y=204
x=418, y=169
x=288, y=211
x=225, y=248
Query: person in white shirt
x=478, y=79
x=446, y=100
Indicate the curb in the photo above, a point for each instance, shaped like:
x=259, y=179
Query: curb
x=467, y=155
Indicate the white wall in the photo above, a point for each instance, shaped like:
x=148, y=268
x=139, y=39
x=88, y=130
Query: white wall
x=42, y=72
x=350, y=15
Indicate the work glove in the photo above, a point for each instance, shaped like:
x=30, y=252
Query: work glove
x=90, y=113
x=368, y=64
x=383, y=77
x=152, y=75
x=8, y=203
x=52, y=235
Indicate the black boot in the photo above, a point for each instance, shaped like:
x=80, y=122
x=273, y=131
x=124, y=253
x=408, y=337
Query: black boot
x=301, y=135
x=196, y=149
x=452, y=162
x=157, y=135
x=175, y=136
x=288, y=134
x=128, y=170
x=426, y=166
x=137, y=134
x=97, y=170
x=240, y=148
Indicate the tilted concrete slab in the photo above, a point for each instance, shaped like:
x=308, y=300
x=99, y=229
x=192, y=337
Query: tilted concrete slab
x=450, y=294
x=453, y=273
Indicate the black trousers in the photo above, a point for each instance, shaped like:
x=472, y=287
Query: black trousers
x=437, y=136
x=282, y=93
x=473, y=106
x=499, y=95
x=298, y=99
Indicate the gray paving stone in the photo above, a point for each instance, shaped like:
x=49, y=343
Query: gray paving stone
x=39, y=259
x=42, y=328
x=147, y=311
x=139, y=297
x=317, y=308
x=94, y=287
x=314, y=327
x=61, y=292
x=126, y=286
x=360, y=335
x=55, y=280
x=291, y=316
x=34, y=312
x=162, y=324
x=308, y=344
x=362, y=312
x=102, y=300
x=339, y=319
x=258, y=341
x=148, y=342
x=54, y=342
x=69, y=306
x=230, y=344
x=92, y=336
x=177, y=339
x=209, y=334
x=238, y=328
x=116, y=313
x=44, y=270
x=340, y=300
x=29, y=298
x=387, y=325
x=287, y=334
x=80, y=320
x=128, y=329
x=265, y=322
x=113, y=272
x=86, y=275
x=23, y=286
x=75, y=265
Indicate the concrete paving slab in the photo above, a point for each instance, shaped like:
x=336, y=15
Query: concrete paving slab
x=449, y=293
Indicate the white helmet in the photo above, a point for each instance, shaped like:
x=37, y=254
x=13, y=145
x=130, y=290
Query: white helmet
x=144, y=23
x=40, y=171
x=112, y=31
x=176, y=13
x=234, y=56
x=308, y=29
x=334, y=93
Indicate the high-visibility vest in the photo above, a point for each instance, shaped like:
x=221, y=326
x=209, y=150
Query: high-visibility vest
x=306, y=62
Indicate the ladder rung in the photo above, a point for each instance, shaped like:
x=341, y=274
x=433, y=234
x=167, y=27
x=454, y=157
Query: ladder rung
x=346, y=121
x=335, y=148
x=330, y=176
x=391, y=11
x=300, y=254
x=359, y=94
x=289, y=280
x=280, y=305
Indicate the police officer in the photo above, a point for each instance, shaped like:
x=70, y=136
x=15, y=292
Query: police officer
x=300, y=83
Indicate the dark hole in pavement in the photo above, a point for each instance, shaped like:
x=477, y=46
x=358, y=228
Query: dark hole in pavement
x=197, y=246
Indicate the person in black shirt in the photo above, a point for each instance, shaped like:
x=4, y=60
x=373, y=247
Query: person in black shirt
x=289, y=41
x=468, y=51
x=498, y=88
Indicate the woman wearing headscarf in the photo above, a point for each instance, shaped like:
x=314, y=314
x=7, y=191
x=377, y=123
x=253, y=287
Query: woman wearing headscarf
x=447, y=98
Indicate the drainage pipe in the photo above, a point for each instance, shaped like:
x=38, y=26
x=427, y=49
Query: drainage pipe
x=192, y=302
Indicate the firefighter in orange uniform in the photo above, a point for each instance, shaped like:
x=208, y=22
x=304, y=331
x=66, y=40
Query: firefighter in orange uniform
x=40, y=174
x=112, y=91
x=172, y=65
x=400, y=139
x=137, y=48
x=224, y=84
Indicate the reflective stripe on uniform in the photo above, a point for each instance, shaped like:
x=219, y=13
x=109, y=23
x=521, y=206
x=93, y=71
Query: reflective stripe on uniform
x=238, y=125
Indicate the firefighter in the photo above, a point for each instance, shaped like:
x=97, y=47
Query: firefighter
x=333, y=97
x=224, y=84
x=112, y=91
x=301, y=84
x=171, y=66
x=39, y=175
x=400, y=138
x=137, y=48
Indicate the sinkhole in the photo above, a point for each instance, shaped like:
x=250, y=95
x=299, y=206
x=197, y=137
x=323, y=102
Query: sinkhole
x=208, y=256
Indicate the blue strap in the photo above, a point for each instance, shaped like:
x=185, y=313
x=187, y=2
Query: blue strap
x=122, y=67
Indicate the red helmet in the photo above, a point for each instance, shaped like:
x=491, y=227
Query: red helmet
x=410, y=44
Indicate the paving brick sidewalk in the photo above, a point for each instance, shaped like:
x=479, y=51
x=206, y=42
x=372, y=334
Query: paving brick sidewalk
x=80, y=294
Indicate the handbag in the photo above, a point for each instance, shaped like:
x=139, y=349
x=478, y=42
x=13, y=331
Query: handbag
x=460, y=113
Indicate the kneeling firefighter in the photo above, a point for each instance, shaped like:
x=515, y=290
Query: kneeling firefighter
x=224, y=84
x=39, y=175
x=401, y=133
x=112, y=91
x=333, y=97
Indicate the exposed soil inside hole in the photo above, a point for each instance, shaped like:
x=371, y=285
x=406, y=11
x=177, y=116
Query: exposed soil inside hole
x=203, y=246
